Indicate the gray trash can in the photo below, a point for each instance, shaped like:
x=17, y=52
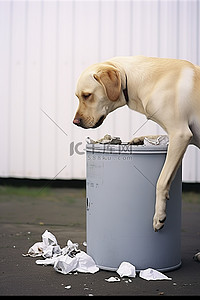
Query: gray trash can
x=120, y=191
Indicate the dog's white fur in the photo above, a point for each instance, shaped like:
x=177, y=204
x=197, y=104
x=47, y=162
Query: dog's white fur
x=167, y=91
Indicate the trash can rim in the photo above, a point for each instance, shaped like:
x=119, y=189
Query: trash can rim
x=125, y=148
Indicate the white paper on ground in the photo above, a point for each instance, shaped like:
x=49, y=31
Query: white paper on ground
x=51, y=250
x=64, y=260
x=197, y=257
x=85, y=263
x=47, y=248
x=71, y=247
x=71, y=259
x=126, y=269
x=49, y=239
x=82, y=263
x=112, y=279
x=47, y=261
x=65, y=264
x=68, y=287
x=151, y=274
x=51, y=246
x=36, y=250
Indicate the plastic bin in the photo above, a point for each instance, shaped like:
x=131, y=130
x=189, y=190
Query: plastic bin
x=120, y=194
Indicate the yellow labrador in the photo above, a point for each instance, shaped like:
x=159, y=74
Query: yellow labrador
x=166, y=91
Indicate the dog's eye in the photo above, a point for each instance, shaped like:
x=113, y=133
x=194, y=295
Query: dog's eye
x=86, y=96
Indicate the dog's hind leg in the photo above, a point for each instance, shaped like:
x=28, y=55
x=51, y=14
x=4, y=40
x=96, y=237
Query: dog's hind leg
x=178, y=143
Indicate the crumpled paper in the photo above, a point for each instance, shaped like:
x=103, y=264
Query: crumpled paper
x=160, y=140
x=85, y=263
x=197, y=257
x=81, y=262
x=112, y=279
x=126, y=269
x=151, y=274
x=65, y=260
x=71, y=259
x=107, y=139
x=47, y=248
x=66, y=264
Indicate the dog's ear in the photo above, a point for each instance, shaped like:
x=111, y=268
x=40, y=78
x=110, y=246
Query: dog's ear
x=109, y=77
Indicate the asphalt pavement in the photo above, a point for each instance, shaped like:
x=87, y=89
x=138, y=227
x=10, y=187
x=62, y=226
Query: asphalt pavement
x=25, y=213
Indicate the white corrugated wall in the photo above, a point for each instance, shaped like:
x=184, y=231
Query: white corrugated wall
x=45, y=45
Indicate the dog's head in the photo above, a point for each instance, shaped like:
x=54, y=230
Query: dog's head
x=98, y=89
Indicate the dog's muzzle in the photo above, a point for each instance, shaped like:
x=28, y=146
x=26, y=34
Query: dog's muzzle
x=79, y=122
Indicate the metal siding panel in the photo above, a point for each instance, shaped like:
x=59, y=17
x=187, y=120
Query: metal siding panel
x=64, y=88
x=17, y=87
x=168, y=29
x=123, y=16
x=48, y=44
x=5, y=73
x=32, y=91
x=86, y=52
x=48, y=90
x=107, y=37
x=187, y=30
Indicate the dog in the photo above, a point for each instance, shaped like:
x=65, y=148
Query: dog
x=166, y=91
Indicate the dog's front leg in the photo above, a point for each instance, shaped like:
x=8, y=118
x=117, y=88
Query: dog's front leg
x=177, y=146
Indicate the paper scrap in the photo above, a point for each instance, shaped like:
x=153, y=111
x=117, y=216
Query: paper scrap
x=85, y=263
x=68, y=287
x=47, y=248
x=82, y=263
x=49, y=239
x=71, y=259
x=71, y=248
x=151, y=274
x=112, y=279
x=197, y=257
x=160, y=140
x=65, y=260
x=129, y=280
x=126, y=269
x=47, y=261
x=35, y=250
x=107, y=139
x=65, y=264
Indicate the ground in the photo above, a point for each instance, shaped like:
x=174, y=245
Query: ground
x=25, y=213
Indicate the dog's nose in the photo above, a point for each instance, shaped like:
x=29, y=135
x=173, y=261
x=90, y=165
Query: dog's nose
x=77, y=121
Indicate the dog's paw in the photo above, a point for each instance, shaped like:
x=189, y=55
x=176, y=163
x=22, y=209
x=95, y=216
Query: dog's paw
x=158, y=221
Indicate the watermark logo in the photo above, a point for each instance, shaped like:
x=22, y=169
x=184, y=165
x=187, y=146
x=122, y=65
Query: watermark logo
x=76, y=148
